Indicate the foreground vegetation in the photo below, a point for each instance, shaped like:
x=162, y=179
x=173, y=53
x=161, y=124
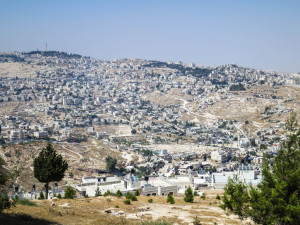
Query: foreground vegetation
x=276, y=200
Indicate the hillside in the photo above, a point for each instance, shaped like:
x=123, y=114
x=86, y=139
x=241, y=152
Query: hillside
x=92, y=211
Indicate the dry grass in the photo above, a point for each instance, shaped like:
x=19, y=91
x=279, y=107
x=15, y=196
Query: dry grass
x=92, y=211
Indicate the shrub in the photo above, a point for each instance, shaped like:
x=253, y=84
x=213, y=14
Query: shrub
x=128, y=195
x=59, y=196
x=119, y=194
x=196, y=221
x=218, y=197
x=170, y=199
x=97, y=192
x=137, y=193
x=41, y=196
x=127, y=202
x=189, y=197
x=86, y=196
x=150, y=200
x=196, y=193
x=69, y=193
x=203, y=196
x=117, y=206
x=107, y=193
x=108, y=200
x=133, y=198
x=5, y=203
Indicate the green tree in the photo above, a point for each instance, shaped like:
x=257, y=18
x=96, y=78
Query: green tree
x=236, y=198
x=128, y=195
x=119, y=193
x=170, y=199
x=276, y=200
x=4, y=178
x=137, y=193
x=133, y=198
x=41, y=197
x=49, y=166
x=69, y=193
x=97, y=192
x=188, y=195
x=110, y=163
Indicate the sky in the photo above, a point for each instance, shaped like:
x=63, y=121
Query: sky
x=254, y=33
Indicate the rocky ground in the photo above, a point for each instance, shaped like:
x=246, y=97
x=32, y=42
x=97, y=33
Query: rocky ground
x=112, y=210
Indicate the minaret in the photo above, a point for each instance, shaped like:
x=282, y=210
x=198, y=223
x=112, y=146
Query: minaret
x=46, y=47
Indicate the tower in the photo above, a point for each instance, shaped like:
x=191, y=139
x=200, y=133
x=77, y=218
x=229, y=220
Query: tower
x=46, y=47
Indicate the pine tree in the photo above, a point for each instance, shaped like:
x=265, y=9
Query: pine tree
x=49, y=166
x=137, y=193
x=189, y=196
x=277, y=197
x=69, y=193
x=119, y=194
x=276, y=200
x=236, y=198
x=97, y=192
x=170, y=199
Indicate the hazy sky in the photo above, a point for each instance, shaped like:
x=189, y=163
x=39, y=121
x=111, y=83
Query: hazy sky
x=262, y=34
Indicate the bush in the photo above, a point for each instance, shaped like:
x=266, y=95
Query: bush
x=189, y=197
x=59, y=196
x=128, y=195
x=203, y=196
x=133, y=198
x=196, y=221
x=119, y=194
x=218, y=197
x=41, y=196
x=150, y=200
x=86, y=196
x=97, y=192
x=170, y=199
x=117, y=206
x=137, y=193
x=127, y=202
x=107, y=193
x=5, y=203
x=69, y=193
x=196, y=193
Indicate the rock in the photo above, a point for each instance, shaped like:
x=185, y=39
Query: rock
x=54, y=198
x=121, y=212
x=65, y=205
x=53, y=204
x=107, y=211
